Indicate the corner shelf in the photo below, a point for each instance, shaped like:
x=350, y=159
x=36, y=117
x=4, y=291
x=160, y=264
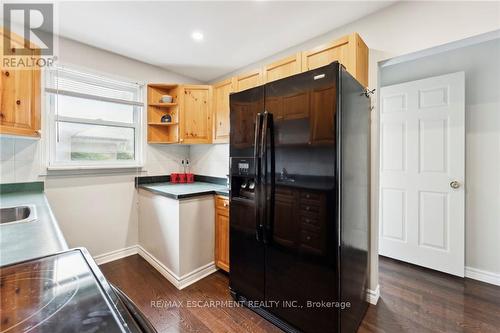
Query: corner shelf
x=162, y=124
x=162, y=105
x=162, y=132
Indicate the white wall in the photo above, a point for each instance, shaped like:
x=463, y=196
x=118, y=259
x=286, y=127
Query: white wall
x=481, y=64
x=96, y=211
x=402, y=28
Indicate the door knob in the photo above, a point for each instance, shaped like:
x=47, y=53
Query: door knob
x=454, y=184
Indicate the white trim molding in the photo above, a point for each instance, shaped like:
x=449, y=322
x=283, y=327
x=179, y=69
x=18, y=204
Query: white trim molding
x=115, y=255
x=483, y=276
x=180, y=282
x=372, y=296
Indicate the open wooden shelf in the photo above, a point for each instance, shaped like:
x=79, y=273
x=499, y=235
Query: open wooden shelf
x=162, y=105
x=164, y=86
x=163, y=124
x=162, y=132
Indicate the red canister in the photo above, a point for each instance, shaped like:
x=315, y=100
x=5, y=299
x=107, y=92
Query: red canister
x=182, y=178
x=174, y=177
x=190, y=177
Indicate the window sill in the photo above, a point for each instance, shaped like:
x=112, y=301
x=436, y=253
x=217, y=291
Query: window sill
x=91, y=167
x=73, y=170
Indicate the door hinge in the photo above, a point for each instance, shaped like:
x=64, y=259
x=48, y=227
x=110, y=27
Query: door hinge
x=367, y=92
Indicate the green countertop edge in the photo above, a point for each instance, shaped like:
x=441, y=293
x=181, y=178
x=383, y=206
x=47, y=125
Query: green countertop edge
x=22, y=187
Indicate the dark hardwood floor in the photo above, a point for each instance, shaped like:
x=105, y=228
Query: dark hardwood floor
x=413, y=299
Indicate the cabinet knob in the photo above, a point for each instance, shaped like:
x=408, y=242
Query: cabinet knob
x=7, y=73
x=308, y=208
x=2, y=115
x=308, y=238
x=18, y=102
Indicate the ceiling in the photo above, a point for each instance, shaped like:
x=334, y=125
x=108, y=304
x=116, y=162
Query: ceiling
x=235, y=33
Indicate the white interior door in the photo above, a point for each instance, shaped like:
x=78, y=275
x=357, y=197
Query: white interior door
x=422, y=172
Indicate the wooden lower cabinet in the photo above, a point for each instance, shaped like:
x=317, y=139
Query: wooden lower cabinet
x=222, y=232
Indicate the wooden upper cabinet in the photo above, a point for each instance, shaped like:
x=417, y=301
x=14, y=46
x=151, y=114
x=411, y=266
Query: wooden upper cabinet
x=249, y=80
x=283, y=68
x=221, y=93
x=196, y=114
x=349, y=50
x=19, y=96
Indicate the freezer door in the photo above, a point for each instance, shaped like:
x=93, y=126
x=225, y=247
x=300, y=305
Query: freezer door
x=354, y=169
x=246, y=250
x=301, y=250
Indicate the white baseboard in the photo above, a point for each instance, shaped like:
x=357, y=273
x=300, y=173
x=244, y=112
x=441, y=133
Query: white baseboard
x=115, y=255
x=372, y=296
x=483, y=276
x=180, y=282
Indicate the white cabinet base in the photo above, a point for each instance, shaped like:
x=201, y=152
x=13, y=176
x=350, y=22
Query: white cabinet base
x=177, y=236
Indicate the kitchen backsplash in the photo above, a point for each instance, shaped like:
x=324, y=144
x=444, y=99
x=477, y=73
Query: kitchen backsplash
x=20, y=160
x=210, y=160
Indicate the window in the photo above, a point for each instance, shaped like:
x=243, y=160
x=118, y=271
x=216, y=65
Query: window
x=93, y=121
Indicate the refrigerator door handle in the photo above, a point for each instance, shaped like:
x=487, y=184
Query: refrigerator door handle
x=256, y=155
x=268, y=233
x=268, y=187
x=258, y=129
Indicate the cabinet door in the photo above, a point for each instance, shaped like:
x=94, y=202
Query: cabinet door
x=20, y=99
x=326, y=54
x=249, y=80
x=351, y=51
x=222, y=239
x=196, y=118
x=221, y=93
x=283, y=68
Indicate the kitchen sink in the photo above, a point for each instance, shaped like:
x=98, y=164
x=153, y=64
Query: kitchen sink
x=23, y=213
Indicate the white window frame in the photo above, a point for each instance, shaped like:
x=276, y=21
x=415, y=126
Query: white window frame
x=52, y=119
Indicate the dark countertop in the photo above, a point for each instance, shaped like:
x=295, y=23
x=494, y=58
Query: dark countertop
x=183, y=191
x=26, y=240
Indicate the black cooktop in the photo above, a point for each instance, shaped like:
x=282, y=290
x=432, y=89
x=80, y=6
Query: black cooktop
x=65, y=292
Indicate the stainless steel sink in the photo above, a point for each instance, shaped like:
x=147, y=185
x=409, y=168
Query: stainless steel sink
x=16, y=214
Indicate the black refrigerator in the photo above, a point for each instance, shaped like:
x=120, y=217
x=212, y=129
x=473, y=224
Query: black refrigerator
x=299, y=200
